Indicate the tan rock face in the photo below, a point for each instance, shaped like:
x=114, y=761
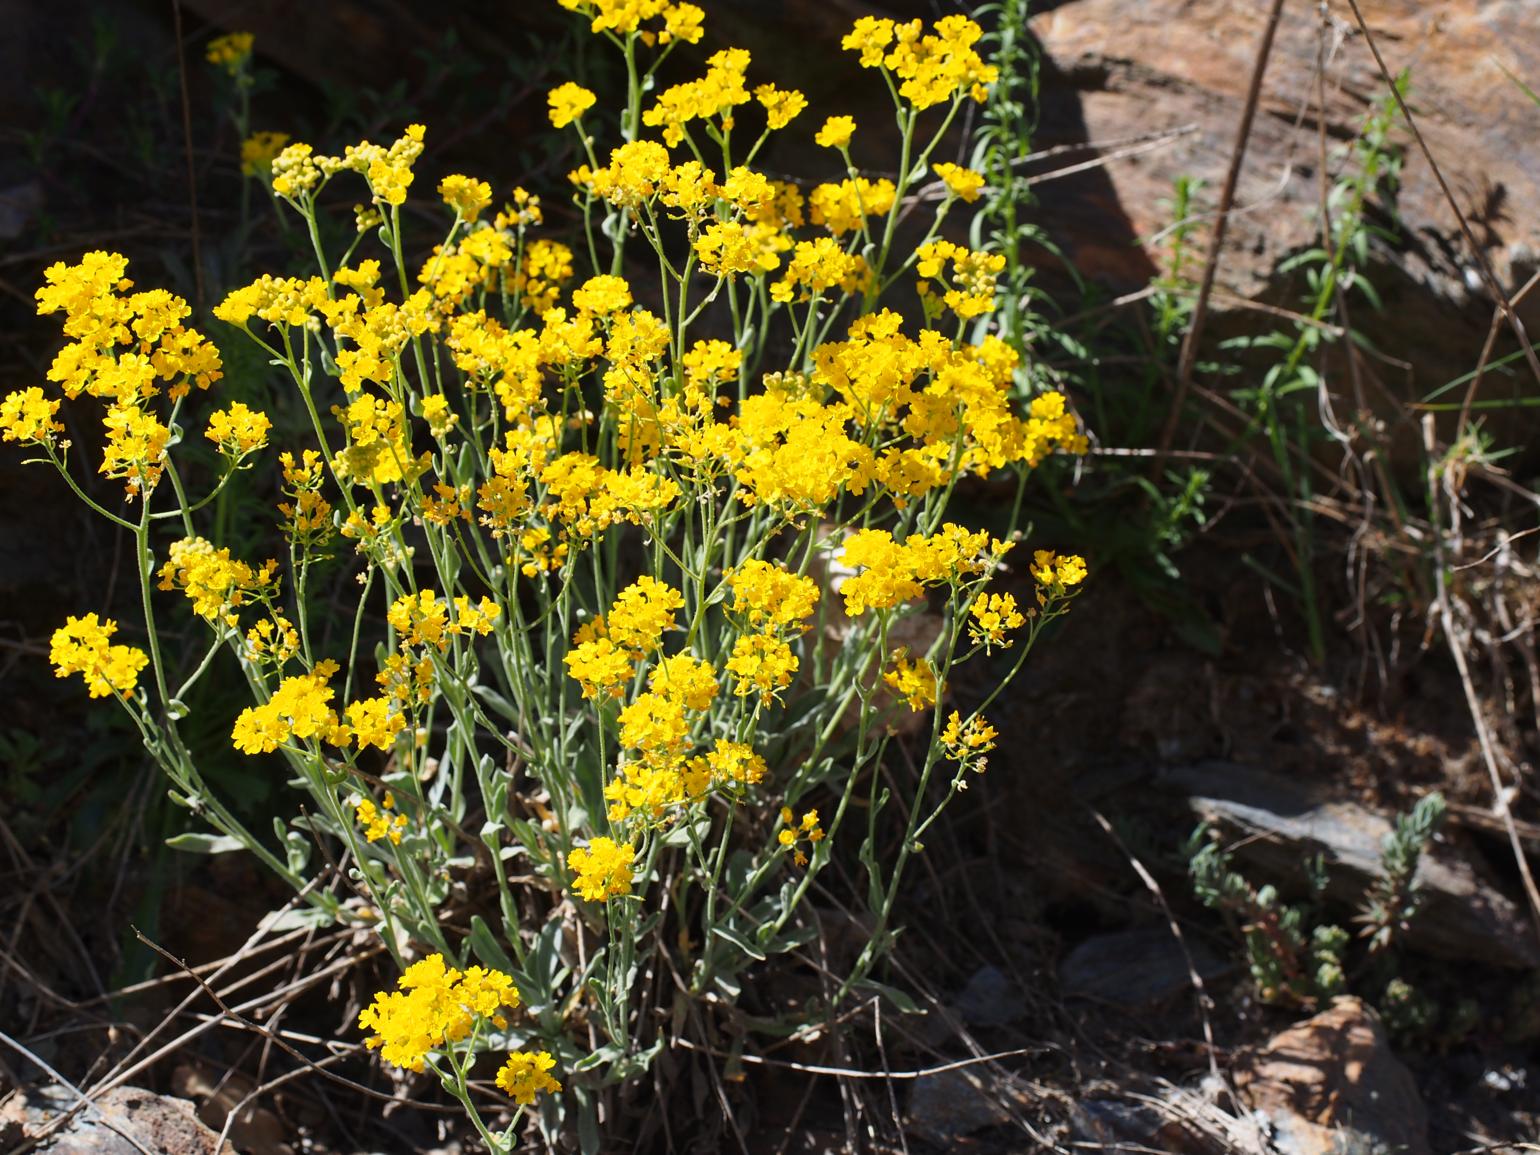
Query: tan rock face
x=1332, y=1084
x=1166, y=63
x=1114, y=70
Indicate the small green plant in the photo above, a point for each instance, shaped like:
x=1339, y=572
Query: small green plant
x=1293, y=406
x=1298, y=959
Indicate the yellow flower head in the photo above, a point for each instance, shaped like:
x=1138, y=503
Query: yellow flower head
x=259, y=150
x=433, y=1007
x=569, y=102
x=380, y=823
x=960, y=182
x=603, y=869
x=836, y=132
x=602, y=295
x=912, y=679
x=82, y=646
x=526, y=1074
x=993, y=618
x=466, y=195
x=238, y=430
x=28, y=415
x=231, y=51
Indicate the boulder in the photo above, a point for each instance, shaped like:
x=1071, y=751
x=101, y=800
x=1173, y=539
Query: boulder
x=1332, y=1086
x=1117, y=72
x=1463, y=915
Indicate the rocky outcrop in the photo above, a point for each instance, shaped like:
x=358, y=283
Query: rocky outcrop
x=1115, y=71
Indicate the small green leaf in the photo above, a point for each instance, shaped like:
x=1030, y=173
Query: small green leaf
x=197, y=843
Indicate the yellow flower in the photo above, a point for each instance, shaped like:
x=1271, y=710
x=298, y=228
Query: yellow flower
x=81, y=646
x=655, y=724
x=526, y=1074
x=1056, y=572
x=968, y=742
x=994, y=616
x=603, y=869
x=374, y=722
x=258, y=151
x=770, y=596
x=568, y=103
x=735, y=763
x=602, y=295
x=466, y=195
x=836, y=132
x=761, y=663
x=960, y=182
x=230, y=51
x=600, y=666
x=380, y=824
x=686, y=680
x=27, y=415
x=299, y=708
x=913, y=680
x=844, y=207
x=217, y=584
x=238, y=430
x=782, y=105
x=433, y=1007
x=794, y=831
x=643, y=612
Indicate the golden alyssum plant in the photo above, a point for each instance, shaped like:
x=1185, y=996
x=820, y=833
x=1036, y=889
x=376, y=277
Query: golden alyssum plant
x=651, y=565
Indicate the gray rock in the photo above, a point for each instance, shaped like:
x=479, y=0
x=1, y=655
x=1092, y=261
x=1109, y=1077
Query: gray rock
x=124, y=1121
x=1134, y=968
x=1464, y=915
x=949, y=1105
x=989, y=999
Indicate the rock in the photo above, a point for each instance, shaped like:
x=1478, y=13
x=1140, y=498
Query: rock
x=989, y=999
x=949, y=1105
x=1115, y=71
x=1463, y=915
x=255, y=1131
x=112, y=1125
x=1134, y=968
x=1332, y=1086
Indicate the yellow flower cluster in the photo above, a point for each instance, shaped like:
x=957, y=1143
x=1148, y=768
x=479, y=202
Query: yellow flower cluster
x=992, y=619
x=433, y=1007
x=299, y=172
x=231, y=51
x=83, y=646
x=423, y=619
x=933, y=67
x=793, y=832
x=968, y=741
x=466, y=195
x=961, y=182
x=299, y=708
x=968, y=278
x=28, y=415
x=526, y=1074
x=893, y=572
x=238, y=429
x=216, y=584
x=679, y=21
x=380, y=822
x=836, y=132
x=1056, y=574
x=569, y=102
x=912, y=679
x=259, y=150
x=123, y=348
x=602, y=869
